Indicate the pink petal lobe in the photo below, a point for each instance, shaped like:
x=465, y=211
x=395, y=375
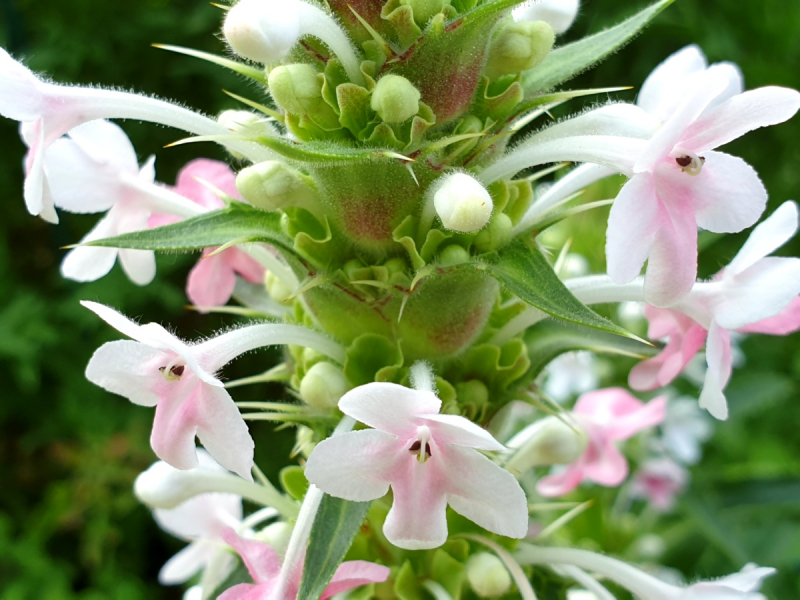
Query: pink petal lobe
x=355, y=573
x=127, y=368
x=559, y=484
x=175, y=422
x=223, y=431
x=784, y=323
x=247, y=591
x=665, y=87
x=389, y=407
x=766, y=237
x=607, y=465
x=718, y=357
x=87, y=263
x=211, y=281
x=218, y=174
x=607, y=405
x=632, y=226
x=261, y=560
x=650, y=414
x=245, y=265
x=453, y=429
x=742, y=113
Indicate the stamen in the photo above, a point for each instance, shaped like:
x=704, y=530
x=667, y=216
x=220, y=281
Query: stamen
x=172, y=372
x=689, y=162
x=423, y=435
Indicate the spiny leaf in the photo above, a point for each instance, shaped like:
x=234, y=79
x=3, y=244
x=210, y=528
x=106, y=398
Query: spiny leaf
x=335, y=525
x=321, y=153
x=568, y=61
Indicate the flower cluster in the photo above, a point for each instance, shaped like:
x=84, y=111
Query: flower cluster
x=377, y=226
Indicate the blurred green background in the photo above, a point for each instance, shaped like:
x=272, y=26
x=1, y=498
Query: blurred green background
x=69, y=524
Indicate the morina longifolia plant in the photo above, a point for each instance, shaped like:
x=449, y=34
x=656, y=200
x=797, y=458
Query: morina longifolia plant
x=381, y=220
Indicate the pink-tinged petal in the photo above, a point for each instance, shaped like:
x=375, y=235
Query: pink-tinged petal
x=35, y=183
x=649, y=415
x=261, y=560
x=175, y=423
x=663, y=322
x=665, y=88
x=355, y=573
x=672, y=264
x=766, y=237
x=245, y=265
x=738, y=115
x=211, y=281
x=247, y=591
x=759, y=292
x=78, y=182
x=728, y=195
x=205, y=515
x=87, y=263
x=559, y=484
x=607, y=405
x=417, y=519
x=22, y=98
x=185, y=563
x=632, y=226
x=355, y=466
x=453, y=429
x=222, y=430
x=106, y=142
x=139, y=265
x=660, y=370
x=484, y=492
x=606, y=466
x=706, y=87
x=126, y=368
x=785, y=322
x=218, y=174
x=389, y=407
x=718, y=357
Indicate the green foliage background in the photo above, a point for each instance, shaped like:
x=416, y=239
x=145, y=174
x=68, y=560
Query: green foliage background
x=69, y=525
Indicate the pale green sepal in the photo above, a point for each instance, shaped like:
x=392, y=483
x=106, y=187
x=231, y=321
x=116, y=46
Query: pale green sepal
x=256, y=75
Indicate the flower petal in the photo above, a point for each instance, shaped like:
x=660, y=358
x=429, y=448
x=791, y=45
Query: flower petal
x=632, y=226
x=665, y=88
x=185, y=563
x=560, y=14
x=453, y=429
x=87, y=263
x=354, y=573
x=718, y=357
x=356, y=465
x=261, y=560
x=666, y=366
x=559, y=484
x=211, y=281
x=389, y=407
x=245, y=265
x=484, y=492
x=22, y=98
x=139, y=265
x=785, y=322
x=176, y=420
x=205, y=515
x=223, y=431
x=106, y=142
x=193, y=179
x=126, y=368
x=608, y=466
x=152, y=334
x=767, y=237
x=738, y=115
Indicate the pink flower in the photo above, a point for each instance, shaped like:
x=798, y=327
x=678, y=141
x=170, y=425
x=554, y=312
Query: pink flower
x=47, y=111
x=679, y=184
x=755, y=293
x=606, y=416
x=264, y=566
x=213, y=278
x=158, y=369
x=659, y=480
x=429, y=460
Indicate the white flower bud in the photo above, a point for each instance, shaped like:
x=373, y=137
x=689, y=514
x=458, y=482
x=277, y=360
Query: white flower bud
x=323, y=385
x=519, y=47
x=263, y=31
x=164, y=486
x=462, y=203
x=549, y=441
x=276, y=288
x=488, y=575
x=559, y=13
x=395, y=99
x=271, y=185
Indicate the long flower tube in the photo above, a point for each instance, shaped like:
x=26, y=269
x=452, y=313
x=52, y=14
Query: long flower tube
x=47, y=111
x=743, y=585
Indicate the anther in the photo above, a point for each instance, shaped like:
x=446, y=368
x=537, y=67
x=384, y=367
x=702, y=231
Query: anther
x=172, y=372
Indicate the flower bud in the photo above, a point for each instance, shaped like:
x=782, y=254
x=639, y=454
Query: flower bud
x=305, y=441
x=395, y=99
x=519, y=47
x=559, y=13
x=164, y=486
x=549, y=441
x=488, y=575
x=276, y=288
x=271, y=185
x=462, y=203
x=323, y=385
x=297, y=88
x=496, y=235
x=425, y=9
x=262, y=31
x=453, y=255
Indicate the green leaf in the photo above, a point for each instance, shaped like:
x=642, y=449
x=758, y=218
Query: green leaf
x=238, y=222
x=326, y=153
x=568, y=61
x=527, y=274
x=256, y=75
x=334, y=528
x=548, y=339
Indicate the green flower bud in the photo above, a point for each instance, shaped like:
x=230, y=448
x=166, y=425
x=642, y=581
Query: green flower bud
x=425, y=9
x=549, y=441
x=396, y=265
x=395, y=99
x=276, y=288
x=519, y=47
x=453, y=255
x=496, y=235
x=323, y=385
x=272, y=185
x=311, y=357
x=472, y=392
x=351, y=267
x=488, y=575
x=297, y=89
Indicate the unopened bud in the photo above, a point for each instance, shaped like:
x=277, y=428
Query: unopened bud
x=305, y=441
x=488, y=575
x=246, y=122
x=323, y=385
x=272, y=185
x=262, y=31
x=496, y=235
x=453, y=255
x=297, y=88
x=395, y=99
x=549, y=441
x=559, y=13
x=425, y=9
x=164, y=486
x=277, y=290
x=473, y=392
x=462, y=203
x=519, y=47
